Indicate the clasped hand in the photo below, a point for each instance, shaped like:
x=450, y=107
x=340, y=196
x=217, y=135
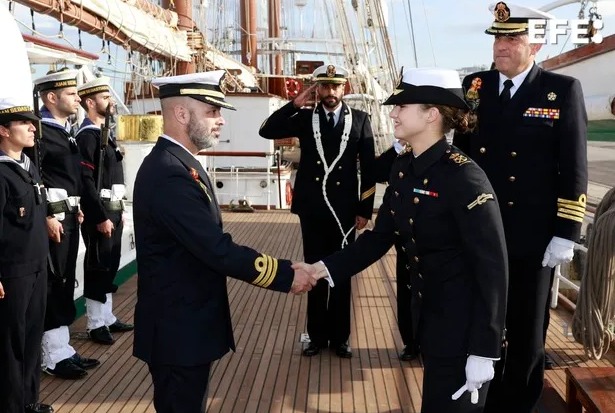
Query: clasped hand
x=306, y=276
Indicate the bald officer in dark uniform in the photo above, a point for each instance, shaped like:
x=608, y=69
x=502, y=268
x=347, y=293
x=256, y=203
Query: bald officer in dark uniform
x=442, y=206
x=182, y=316
x=531, y=142
x=326, y=195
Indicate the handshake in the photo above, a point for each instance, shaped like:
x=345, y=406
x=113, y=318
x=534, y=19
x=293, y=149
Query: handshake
x=307, y=275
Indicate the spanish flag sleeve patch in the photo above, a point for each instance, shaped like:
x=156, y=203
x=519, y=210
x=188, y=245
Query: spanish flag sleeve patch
x=571, y=209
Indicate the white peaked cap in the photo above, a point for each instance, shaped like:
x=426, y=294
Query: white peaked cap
x=15, y=76
x=203, y=86
x=98, y=85
x=512, y=19
x=330, y=74
x=429, y=86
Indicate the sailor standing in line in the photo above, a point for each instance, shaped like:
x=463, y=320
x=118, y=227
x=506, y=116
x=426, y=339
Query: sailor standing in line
x=23, y=267
x=103, y=208
x=61, y=173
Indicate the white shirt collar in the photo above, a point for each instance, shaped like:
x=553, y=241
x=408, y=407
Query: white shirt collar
x=517, y=80
x=167, y=137
x=336, y=113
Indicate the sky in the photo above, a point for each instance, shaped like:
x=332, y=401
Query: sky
x=448, y=33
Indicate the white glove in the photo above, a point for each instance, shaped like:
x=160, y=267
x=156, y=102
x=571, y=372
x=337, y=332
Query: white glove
x=479, y=370
x=558, y=251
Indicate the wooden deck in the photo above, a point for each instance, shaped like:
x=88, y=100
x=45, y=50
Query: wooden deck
x=268, y=373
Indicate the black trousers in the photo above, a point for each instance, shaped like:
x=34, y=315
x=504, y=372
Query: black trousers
x=179, y=389
x=442, y=377
x=519, y=375
x=404, y=297
x=102, y=259
x=61, y=309
x=328, y=309
x=22, y=313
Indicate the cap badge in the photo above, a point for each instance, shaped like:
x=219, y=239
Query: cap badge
x=501, y=12
x=330, y=71
x=551, y=96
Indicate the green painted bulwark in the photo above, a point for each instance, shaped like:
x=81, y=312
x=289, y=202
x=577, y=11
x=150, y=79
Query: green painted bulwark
x=123, y=275
x=601, y=130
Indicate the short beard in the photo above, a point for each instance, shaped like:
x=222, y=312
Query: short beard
x=198, y=134
x=330, y=105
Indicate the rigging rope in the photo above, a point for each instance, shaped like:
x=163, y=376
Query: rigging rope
x=595, y=310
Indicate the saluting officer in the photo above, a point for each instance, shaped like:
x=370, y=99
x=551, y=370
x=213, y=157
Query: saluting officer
x=182, y=317
x=23, y=266
x=326, y=197
x=103, y=207
x=61, y=173
x=442, y=206
x=532, y=144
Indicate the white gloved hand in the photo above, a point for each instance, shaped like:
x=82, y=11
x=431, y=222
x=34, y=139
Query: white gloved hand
x=479, y=370
x=559, y=251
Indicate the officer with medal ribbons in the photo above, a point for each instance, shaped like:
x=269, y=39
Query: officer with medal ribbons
x=61, y=173
x=182, y=316
x=443, y=208
x=23, y=234
x=326, y=196
x=103, y=206
x=532, y=144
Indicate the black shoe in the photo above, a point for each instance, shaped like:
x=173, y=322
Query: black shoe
x=67, y=370
x=102, y=335
x=342, y=351
x=83, y=362
x=408, y=354
x=119, y=327
x=39, y=408
x=549, y=363
x=311, y=350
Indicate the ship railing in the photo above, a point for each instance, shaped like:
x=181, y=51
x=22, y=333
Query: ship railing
x=235, y=171
x=559, y=278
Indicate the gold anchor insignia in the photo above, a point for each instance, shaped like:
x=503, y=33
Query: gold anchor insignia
x=22, y=212
x=482, y=198
x=330, y=71
x=501, y=12
x=551, y=96
x=459, y=158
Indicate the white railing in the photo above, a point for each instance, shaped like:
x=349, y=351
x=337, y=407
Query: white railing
x=559, y=278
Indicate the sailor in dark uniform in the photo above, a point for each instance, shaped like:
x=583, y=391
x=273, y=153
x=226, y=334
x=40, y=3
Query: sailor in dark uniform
x=182, y=317
x=103, y=207
x=531, y=143
x=23, y=265
x=410, y=351
x=443, y=207
x=61, y=173
x=326, y=195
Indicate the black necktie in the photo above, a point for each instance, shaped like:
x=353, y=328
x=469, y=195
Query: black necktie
x=331, y=120
x=505, y=95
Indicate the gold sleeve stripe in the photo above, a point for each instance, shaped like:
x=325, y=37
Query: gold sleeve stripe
x=570, y=217
x=371, y=191
x=267, y=267
x=579, y=209
x=569, y=211
x=581, y=202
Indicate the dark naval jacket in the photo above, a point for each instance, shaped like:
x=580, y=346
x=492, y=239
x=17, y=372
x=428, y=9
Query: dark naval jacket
x=88, y=139
x=23, y=227
x=442, y=209
x=59, y=156
x=534, y=151
x=182, y=316
x=342, y=182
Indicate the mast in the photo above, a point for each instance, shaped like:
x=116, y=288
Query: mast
x=274, y=33
x=183, y=8
x=247, y=10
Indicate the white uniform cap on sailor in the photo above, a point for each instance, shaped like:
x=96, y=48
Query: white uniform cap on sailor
x=513, y=19
x=203, y=86
x=330, y=74
x=98, y=85
x=57, y=80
